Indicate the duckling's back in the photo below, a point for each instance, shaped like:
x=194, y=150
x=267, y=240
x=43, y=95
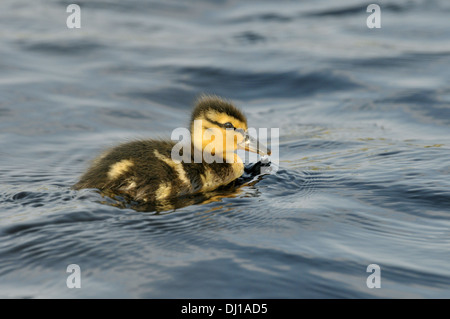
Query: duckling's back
x=145, y=171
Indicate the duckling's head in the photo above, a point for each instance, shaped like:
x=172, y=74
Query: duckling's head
x=220, y=128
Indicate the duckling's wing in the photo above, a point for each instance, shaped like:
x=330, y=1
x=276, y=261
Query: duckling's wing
x=142, y=169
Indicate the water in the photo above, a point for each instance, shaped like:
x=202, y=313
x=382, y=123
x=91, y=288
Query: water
x=364, y=118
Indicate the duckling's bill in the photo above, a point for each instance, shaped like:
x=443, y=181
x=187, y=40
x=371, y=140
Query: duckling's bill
x=251, y=144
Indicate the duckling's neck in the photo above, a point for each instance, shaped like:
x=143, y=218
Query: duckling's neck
x=220, y=172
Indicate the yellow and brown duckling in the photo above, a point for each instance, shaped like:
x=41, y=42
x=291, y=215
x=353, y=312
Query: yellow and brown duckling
x=145, y=170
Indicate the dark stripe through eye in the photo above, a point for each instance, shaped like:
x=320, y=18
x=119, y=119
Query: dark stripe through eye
x=226, y=125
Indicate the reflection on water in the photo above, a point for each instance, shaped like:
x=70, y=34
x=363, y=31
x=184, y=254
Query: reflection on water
x=363, y=176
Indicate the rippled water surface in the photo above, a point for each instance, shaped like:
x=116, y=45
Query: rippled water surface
x=364, y=148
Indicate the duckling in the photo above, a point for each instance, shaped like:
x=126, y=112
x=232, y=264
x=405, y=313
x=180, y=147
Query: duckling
x=145, y=171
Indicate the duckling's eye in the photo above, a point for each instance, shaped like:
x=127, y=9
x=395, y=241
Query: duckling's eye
x=228, y=125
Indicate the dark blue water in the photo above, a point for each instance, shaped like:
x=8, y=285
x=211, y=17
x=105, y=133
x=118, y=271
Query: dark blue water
x=364, y=148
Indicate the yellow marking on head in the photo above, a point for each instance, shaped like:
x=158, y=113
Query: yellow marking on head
x=177, y=166
x=211, y=138
x=119, y=168
x=163, y=191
